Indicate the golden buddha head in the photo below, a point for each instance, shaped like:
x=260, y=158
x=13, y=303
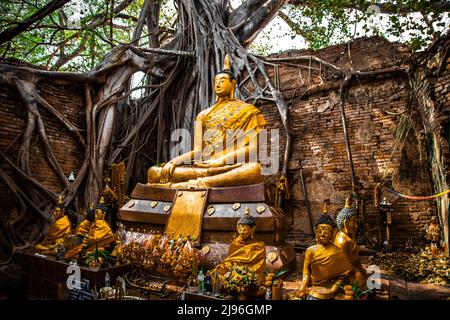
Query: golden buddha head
x=101, y=209
x=346, y=219
x=324, y=229
x=225, y=81
x=59, y=209
x=246, y=226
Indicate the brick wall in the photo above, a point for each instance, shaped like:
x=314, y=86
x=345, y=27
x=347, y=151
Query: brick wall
x=374, y=109
x=66, y=99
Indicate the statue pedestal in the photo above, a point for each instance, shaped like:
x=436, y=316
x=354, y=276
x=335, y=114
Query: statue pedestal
x=150, y=208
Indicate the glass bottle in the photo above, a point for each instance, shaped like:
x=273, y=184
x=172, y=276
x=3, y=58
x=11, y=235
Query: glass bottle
x=208, y=285
x=201, y=282
x=193, y=285
x=107, y=280
x=216, y=288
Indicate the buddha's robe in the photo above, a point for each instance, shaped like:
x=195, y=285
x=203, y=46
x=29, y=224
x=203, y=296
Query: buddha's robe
x=100, y=234
x=225, y=121
x=347, y=244
x=248, y=253
x=326, y=265
x=83, y=228
x=56, y=233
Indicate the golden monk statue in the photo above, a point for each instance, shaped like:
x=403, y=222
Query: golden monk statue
x=99, y=235
x=58, y=230
x=326, y=266
x=346, y=240
x=433, y=233
x=244, y=250
x=84, y=226
x=225, y=135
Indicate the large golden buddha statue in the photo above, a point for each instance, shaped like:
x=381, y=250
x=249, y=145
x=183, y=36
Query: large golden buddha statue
x=224, y=137
x=346, y=240
x=326, y=267
x=58, y=230
x=244, y=250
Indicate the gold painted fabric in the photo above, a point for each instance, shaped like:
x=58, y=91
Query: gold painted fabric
x=187, y=215
x=348, y=245
x=327, y=264
x=57, y=230
x=100, y=234
x=230, y=115
x=252, y=255
x=83, y=228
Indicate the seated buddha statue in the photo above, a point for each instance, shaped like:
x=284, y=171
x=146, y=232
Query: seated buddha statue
x=224, y=136
x=84, y=226
x=59, y=228
x=244, y=250
x=99, y=236
x=326, y=267
x=346, y=240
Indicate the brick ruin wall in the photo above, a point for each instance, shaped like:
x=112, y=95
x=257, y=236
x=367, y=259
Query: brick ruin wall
x=374, y=109
x=69, y=153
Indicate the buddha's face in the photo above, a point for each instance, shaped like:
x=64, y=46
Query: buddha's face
x=324, y=234
x=223, y=85
x=351, y=225
x=99, y=214
x=245, y=232
x=58, y=212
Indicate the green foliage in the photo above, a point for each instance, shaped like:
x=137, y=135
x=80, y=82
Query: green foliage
x=75, y=37
x=326, y=22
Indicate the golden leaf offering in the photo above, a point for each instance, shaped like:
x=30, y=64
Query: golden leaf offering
x=210, y=210
x=205, y=250
x=261, y=209
x=272, y=256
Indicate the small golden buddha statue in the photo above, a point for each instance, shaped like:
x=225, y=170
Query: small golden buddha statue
x=84, y=226
x=99, y=235
x=100, y=232
x=346, y=240
x=244, y=250
x=224, y=135
x=433, y=234
x=118, y=253
x=59, y=228
x=326, y=266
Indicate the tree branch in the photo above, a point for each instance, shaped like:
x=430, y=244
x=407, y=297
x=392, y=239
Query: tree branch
x=256, y=21
x=49, y=8
x=291, y=24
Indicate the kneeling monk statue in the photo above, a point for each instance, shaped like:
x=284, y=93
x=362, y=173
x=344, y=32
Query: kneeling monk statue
x=224, y=136
x=244, y=250
x=326, y=267
x=58, y=230
x=99, y=236
x=346, y=240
